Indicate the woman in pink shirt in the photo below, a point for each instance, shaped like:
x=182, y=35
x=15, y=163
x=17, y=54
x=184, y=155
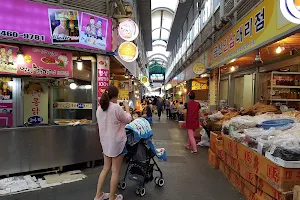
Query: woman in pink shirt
x=111, y=122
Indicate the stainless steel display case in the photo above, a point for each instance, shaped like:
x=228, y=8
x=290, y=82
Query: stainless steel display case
x=34, y=148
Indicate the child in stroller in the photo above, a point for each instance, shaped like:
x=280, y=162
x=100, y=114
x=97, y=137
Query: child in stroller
x=140, y=153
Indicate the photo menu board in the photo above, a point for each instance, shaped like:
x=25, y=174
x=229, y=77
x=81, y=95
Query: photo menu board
x=24, y=20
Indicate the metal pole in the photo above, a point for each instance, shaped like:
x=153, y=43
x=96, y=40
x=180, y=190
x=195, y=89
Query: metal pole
x=94, y=90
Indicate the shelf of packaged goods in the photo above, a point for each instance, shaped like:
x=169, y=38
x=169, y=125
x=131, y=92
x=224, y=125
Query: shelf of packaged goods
x=295, y=100
x=285, y=87
x=287, y=73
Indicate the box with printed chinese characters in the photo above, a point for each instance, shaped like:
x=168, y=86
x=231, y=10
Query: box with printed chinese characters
x=213, y=159
x=247, y=175
x=232, y=163
x=246, y=157
x=269, y=190
x=230, y=146
x=281, y=179
x=215, y=140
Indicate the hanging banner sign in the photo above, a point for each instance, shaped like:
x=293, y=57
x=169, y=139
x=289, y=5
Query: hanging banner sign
x=23, y=20
x=128, y=51
x=38, y=62
x=128, y=30
x=264, y=24
x=35, y=102
x=198, y=68
x=103, y=74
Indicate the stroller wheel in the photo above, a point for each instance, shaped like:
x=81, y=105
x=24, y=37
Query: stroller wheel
x=137, y=192
x=122, y=185
x=142, y=192
x=159, y=181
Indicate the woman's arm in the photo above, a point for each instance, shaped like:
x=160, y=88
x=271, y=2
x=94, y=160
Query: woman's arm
x=122, y=116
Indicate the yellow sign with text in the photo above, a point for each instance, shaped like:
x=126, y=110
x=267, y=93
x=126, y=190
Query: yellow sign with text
x=123, y=94
x=262, y=25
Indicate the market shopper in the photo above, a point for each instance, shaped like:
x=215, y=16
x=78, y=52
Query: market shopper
x=192, y=109
x=159, y=106
x=147, y=112
x=111, y=122
x=180, y=111
x=168, y=109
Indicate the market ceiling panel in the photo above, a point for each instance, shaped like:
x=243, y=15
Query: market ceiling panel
x=91, y=6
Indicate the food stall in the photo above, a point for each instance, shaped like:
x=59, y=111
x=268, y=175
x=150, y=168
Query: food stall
x=46, y=121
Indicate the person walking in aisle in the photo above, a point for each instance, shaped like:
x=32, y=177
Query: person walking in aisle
x=180, y=112
x=147, y=112
x=111, y=120
x=159, y=106
x=168, y=108
x=192, y=108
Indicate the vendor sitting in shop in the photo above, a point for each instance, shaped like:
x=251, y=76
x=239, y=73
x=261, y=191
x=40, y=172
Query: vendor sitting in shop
x=147, y=112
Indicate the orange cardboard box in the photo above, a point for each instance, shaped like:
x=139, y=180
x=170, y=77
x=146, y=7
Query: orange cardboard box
x=213, y=159
x=220, y=153
x=230, y=146
x=247, y=175
x=248, y=193
x=232, y=163
x=222, y=166
x=181, y=124
x=282, y=179
x=215, y=138
x=248, y=185
x=246, y=156
x=236, y=181
x=260, y=195
x=269, y=190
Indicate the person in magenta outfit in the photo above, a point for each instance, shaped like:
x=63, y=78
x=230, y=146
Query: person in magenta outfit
x=111, y=122
x=192, y=121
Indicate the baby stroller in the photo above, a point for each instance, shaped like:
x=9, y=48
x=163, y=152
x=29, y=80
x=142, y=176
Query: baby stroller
x=140, y=154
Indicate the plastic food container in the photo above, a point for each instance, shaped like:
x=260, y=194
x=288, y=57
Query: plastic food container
x=276, y=123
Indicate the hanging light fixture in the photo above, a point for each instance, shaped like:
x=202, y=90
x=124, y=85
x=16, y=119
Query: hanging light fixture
x=232, y=69
x=79, y=63
x=73, y=86
x=20, y=57
x=258, y=59
x=279, y=49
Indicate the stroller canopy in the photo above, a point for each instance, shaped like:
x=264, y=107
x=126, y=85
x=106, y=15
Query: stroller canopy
x=142, y=130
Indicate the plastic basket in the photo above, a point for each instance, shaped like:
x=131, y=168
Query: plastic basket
x=276, y=123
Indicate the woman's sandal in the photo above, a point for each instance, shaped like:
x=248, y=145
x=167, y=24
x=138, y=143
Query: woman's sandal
x=194, y=152
x=103, y=197
x=119, y=197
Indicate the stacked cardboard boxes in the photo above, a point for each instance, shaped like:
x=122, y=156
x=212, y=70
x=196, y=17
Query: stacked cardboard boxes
x=254, y=175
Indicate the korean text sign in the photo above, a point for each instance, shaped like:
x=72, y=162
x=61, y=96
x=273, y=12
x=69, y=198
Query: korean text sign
x=259, y=26
x=40, y=23
x=37, y=62
x=35, y=102
x=103, y=74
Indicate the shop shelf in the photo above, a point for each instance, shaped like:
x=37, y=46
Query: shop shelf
x=284, y=99
x=285, y=87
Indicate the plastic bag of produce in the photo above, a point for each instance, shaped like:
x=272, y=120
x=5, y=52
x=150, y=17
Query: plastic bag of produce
x=204, y=139
x=217, y=116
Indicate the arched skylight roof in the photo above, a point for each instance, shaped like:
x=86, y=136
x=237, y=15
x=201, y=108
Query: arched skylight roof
x=163, y=12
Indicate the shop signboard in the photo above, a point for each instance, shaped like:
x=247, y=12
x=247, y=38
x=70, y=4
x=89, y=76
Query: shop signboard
x=35, y=102
x=6, y=102
x=123, y=94
x=24, y=20
x=37, y=62
x=128, y=51
x=291, y=10
x=260, y=27
x=128, y=30
x=72, y=105
x=103, y=74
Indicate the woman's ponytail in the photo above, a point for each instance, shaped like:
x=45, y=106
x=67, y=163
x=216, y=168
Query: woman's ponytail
x=110, y=93
x=104, y=101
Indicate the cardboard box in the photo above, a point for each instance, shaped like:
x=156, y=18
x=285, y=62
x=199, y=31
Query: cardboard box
x=213, y=159
x=247, y=175
x=222, y=166
x=220, y=153
x=230, y=146
x=236, y=181
x=282, y=179
x=269, y=190
x=248, y=193
x=181, y=124
x=248, y=185
x=232, y=163
x=260, y=195
x=215, y=139
x=246, y=157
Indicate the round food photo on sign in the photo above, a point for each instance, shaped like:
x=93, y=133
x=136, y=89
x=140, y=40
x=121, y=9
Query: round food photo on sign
x=128, y=30
x=128, y=51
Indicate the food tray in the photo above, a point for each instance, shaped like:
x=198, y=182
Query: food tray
x=276, y=123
